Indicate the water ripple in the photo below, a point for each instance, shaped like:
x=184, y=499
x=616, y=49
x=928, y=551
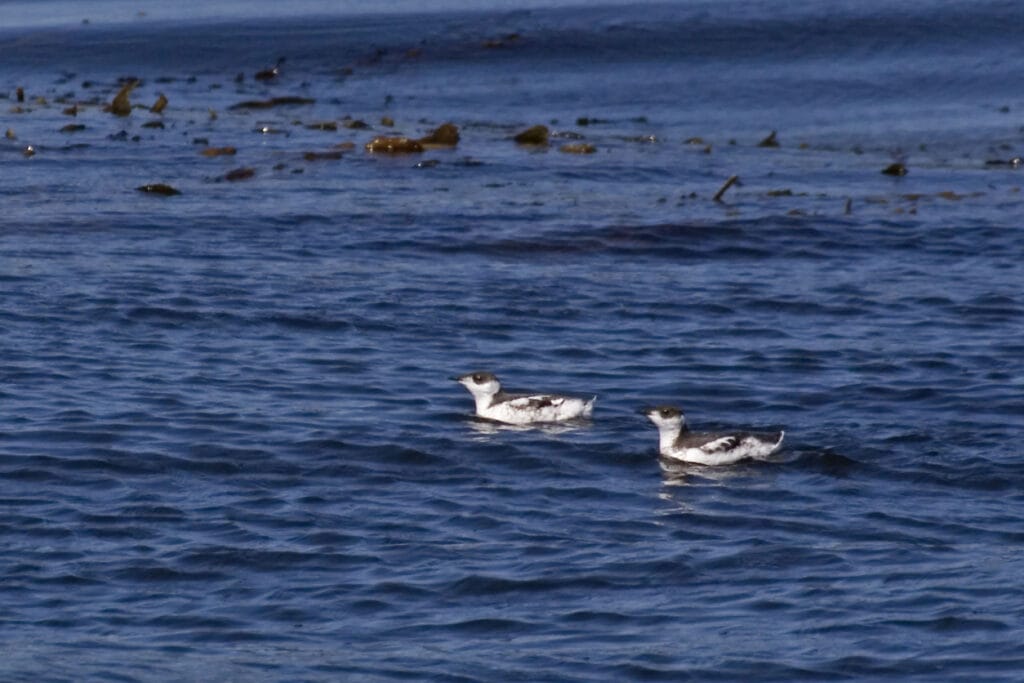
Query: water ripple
x=229, y=449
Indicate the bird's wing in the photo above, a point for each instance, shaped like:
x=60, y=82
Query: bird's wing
x=722, y=443
x=536, y=401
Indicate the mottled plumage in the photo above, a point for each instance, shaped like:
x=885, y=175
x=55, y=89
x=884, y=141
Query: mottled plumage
x=677, y=442
x=494, y=404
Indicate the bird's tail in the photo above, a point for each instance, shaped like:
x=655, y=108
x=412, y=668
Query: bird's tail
x=588, y=407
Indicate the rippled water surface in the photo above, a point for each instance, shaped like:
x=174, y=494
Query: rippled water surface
x=229, y=445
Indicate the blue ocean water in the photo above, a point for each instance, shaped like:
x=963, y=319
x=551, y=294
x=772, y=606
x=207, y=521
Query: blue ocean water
x=229, y=447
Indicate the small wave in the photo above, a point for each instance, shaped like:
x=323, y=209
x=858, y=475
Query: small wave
x=829, y=463
x=308, y=322
x=477, y=626
x=163, y=574
x=950, y=623
x=495, y=585
x=162, y=314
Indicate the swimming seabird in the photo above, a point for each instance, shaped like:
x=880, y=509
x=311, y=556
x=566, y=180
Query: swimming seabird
x=494, y=404
x=677, y=442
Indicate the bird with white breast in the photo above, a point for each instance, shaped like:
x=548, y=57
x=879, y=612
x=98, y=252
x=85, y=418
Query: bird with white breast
x=492, y=403
x=677, y=443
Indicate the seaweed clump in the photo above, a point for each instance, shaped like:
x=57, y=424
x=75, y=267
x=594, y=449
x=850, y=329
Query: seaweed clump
x=272, y=102
x=394, y=145
x=535, y=135
x=769, y=141
x=159, y=188
x=445, y=135
x=121, y=105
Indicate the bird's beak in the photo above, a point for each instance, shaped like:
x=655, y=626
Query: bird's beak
x=645, y=411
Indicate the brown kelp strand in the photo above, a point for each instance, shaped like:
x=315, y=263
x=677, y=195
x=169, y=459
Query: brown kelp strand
x=219, y=151
x=771, y=140
x=237, y=174
x=159, y=189
x=578, y=148
x=288, y=101
x=160, y=104
x=121, y=105
x=394, y=145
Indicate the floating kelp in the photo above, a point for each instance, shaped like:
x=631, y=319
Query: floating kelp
x=267, y=74
x=70, y=111
x=646, y=139
x=944, y=195
x=154, y=124
x=387, y=121
x=72, y=128
x=355, y=124
x=158, y=188
x=445, y=135
x=732, y=180
x=427, y=163
x=896, y=169
x=503, y=41
x=952, y=196
x=160, y=104
x=769, y=141
x=535, y=135
x=121, y=105
x=693, y=141
x=288, y=101
x=322, y=156
x=323, y=125
x=219, y=152
x=1015, y=162
x=393, y=145
x=237, y=174
x=271, y=73
x=578, y=148
x=10, y=134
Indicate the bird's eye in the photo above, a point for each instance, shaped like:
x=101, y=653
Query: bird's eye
x=665, y=412
x=478, y=378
